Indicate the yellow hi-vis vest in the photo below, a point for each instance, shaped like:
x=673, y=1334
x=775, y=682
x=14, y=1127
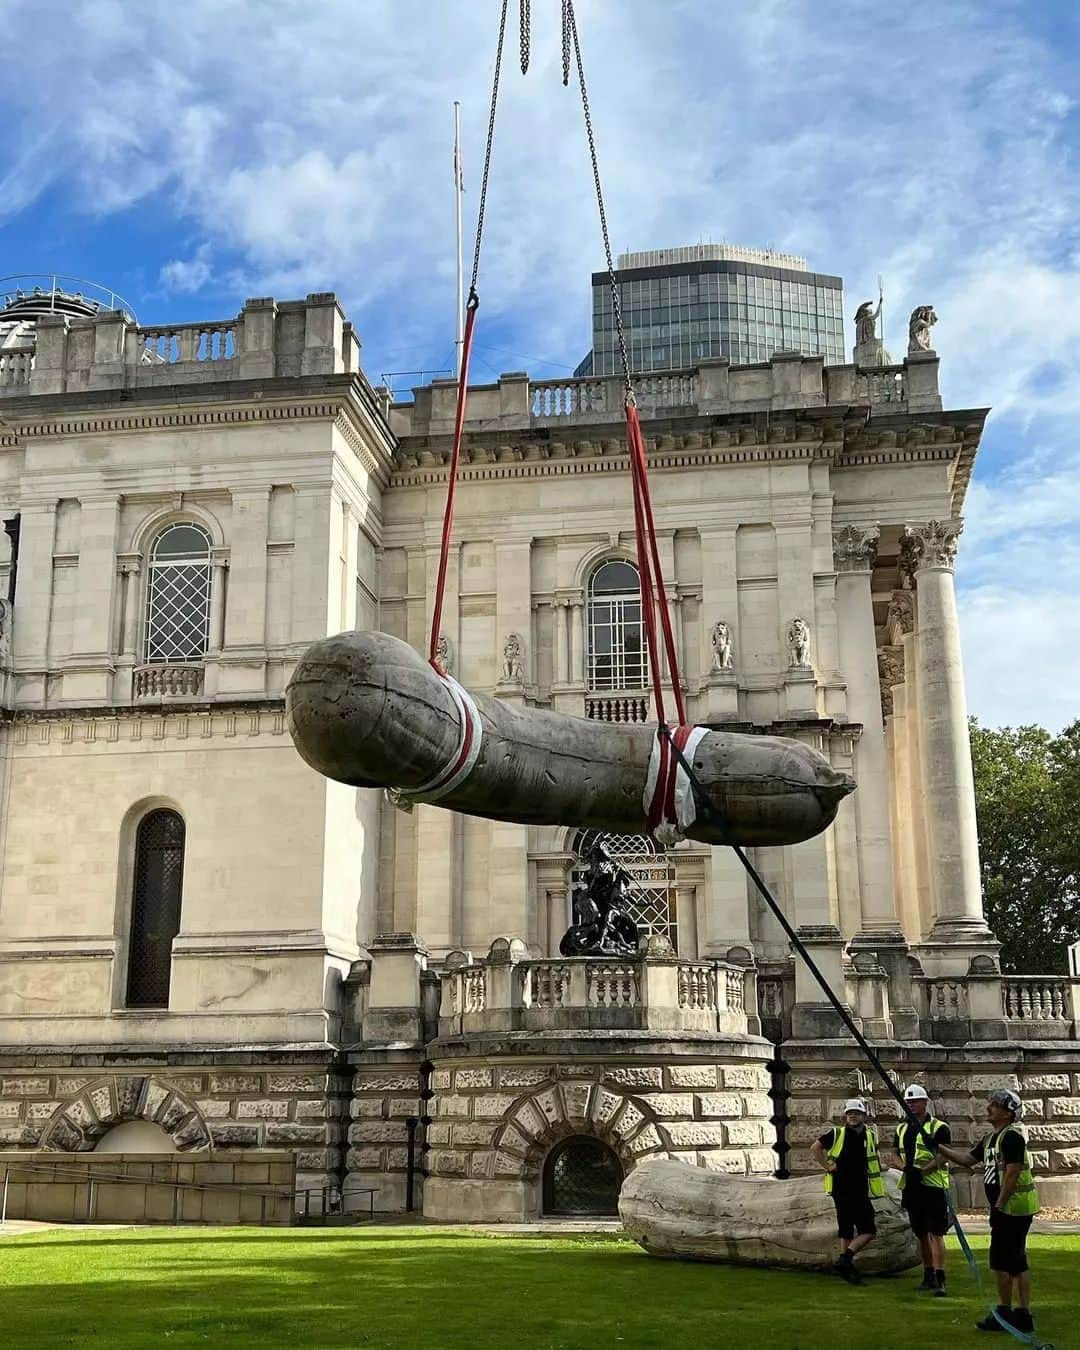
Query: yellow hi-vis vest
x=876, y=1185
x=1025, y=1199
x=939, y=1177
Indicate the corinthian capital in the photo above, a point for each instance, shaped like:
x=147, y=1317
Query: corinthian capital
x=930, y=545
x=855, y=548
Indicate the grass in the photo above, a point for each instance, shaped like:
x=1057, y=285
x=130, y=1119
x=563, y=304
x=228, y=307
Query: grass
x=438, y=1288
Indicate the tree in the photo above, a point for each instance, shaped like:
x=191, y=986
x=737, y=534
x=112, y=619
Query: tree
x=1027, y=796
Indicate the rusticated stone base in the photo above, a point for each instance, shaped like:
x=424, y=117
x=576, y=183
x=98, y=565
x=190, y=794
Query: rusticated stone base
x=502, y=1102
x=674, y=1210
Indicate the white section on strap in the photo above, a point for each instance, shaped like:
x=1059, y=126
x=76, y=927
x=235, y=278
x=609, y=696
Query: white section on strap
x=679, y=811
x=466, y=752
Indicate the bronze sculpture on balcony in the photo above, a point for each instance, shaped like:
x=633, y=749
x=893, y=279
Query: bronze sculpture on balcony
x=601, y=925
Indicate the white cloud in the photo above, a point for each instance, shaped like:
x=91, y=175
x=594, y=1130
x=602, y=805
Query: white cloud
x=184, y=277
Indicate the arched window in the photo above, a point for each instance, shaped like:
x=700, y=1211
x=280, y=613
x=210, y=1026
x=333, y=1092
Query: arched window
x=155, y=908
x=178, y=595
x=581, y=1176
x=650, y=894
x=616, y=641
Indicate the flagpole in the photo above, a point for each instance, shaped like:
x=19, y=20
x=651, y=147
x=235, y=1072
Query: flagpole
x=459, y=188
x=881, y=317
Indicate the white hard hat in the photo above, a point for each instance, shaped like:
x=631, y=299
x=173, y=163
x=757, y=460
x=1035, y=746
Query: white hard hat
x=855, y=1104
x=914, y=1092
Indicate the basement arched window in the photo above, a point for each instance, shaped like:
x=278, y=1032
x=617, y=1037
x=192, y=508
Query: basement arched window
x=156, y=891
x=178, y=595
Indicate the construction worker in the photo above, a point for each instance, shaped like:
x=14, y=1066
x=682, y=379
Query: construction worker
x=1013, y=1200
x=848, y=1154
x=924, y=1185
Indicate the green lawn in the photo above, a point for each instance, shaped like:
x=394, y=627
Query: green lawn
x=434, y=1288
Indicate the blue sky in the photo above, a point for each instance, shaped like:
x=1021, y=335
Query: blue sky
x=191, y=155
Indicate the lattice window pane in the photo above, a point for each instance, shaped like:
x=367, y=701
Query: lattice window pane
x=582, y=1176
x=650, y=899
x=155, y=908
x=178, y=596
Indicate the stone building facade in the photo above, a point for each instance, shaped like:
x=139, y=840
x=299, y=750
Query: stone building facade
x=200, y=934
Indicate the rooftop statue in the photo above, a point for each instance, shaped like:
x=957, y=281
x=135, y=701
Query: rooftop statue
x=922, y=320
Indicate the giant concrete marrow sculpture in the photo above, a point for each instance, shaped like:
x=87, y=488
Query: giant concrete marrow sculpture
x=364, y=708
x=675, y=1209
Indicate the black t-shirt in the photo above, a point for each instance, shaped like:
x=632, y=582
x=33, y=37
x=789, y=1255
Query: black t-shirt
x=911, y=1136
x=1012, y=1151
x=851, y=1171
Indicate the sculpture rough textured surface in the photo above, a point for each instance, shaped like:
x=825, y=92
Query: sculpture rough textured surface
x=675, y=1209
x=365, y=709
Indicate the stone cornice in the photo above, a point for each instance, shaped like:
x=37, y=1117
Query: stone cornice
x=121, y=726
x=846, y=442
x=336, y=399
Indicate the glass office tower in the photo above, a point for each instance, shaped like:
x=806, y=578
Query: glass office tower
x=681, y=305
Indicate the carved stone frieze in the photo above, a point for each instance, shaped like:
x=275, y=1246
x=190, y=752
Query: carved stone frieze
x=855, y=547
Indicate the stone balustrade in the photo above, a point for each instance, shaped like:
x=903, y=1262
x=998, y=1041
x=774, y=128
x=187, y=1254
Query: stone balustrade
x=15, y=370
x=787, y=381
x=1037, y=998
x=613, y=707
x=508, y=993
x=165, y=681
x=266, y=339
x=986, y=1005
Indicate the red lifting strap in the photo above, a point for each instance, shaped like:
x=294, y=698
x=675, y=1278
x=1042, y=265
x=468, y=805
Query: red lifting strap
x=653, y=595
x=451, y=484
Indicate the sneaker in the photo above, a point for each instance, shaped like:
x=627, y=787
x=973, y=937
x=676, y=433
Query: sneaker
x=990, y=1322
x=939, y=1284
x=1022, y=1319
x=927, y=1283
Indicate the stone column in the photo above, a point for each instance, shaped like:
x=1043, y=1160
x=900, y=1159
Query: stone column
x=854, y=553
x=948, y=782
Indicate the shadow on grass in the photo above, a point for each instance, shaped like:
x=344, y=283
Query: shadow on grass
x=405, y=1288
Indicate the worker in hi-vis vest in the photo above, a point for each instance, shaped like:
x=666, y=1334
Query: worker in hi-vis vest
x=848, y=1154
x=1013, y=1200
x=924, y=1184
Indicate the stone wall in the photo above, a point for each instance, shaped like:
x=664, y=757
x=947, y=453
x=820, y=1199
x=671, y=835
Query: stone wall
x=958, y=1080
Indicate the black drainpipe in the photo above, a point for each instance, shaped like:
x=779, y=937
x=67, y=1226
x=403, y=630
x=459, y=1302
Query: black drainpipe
x=413, y=1124
x=11, y=529
x=778, y=1069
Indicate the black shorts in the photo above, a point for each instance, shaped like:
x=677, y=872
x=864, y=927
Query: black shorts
x=926, y=1209
x=854, y=1214
x=1008, y=1242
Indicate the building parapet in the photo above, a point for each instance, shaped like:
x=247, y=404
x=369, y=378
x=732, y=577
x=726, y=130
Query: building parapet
x=267, y=339
x=787, y=381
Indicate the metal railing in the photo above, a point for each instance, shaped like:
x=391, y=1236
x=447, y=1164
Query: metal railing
x=76, y=1176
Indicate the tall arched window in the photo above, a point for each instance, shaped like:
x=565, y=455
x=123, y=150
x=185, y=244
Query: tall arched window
x=616, y=641
x=178, y=595
x=155, y=908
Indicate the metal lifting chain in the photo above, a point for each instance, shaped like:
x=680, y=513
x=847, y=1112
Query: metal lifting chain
x=616, y=305
x=525, y=37
x=525, y=33
x=490, y=138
